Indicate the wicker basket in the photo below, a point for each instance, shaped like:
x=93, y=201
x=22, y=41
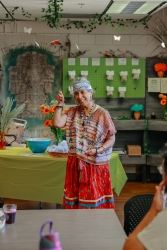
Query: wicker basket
x=58, y=154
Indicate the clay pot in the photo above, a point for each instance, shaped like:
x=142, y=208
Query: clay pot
x=136, y=115
x=160, y=74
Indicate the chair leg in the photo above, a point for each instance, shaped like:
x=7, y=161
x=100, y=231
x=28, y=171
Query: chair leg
x=40, y=205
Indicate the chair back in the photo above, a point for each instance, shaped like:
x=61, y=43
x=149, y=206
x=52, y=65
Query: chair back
x=135, y=209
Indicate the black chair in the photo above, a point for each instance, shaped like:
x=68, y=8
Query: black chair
x=135, y=209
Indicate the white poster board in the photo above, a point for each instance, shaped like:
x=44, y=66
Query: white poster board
x=163, y=85
x=154, y=85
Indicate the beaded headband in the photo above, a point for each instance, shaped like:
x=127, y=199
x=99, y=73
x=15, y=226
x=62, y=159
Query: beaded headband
x=81, y=83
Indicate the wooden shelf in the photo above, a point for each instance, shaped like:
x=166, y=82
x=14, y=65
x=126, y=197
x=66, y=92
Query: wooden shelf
x=154, y=160
x=157, y=125
x=133, y=160
x=129, y=124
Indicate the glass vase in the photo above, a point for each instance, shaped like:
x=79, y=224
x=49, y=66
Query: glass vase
x=2, y=141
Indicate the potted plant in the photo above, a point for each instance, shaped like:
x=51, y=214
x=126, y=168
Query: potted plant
x=137, y=108
x=7, y=114
x=160, y=68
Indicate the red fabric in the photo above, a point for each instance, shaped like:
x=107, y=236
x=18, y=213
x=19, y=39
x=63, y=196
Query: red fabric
x=87, y=185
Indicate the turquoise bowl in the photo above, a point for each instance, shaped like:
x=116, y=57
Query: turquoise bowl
x=38, y=145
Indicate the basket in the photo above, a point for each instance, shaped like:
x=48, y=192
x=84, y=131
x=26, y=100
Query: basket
x=58, y=154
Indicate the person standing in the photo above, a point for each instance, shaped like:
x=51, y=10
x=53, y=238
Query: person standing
x=90, y=134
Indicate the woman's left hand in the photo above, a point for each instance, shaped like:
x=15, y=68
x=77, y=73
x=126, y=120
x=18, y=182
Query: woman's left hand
x=91, y=151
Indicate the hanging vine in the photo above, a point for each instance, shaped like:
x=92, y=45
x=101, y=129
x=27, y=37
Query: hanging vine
x=53, y=13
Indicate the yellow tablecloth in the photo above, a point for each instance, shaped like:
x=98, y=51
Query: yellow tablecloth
x=40, y=177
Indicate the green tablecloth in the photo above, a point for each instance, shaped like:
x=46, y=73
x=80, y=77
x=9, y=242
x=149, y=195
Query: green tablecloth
x=40, y=177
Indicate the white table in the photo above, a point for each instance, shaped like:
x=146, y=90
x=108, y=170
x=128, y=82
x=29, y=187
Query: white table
x=88, y=229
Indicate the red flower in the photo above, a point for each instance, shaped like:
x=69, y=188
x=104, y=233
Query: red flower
x=48, y=123
x=160, y=67
x=46, y=110
x=53, y=108
x=163, y=102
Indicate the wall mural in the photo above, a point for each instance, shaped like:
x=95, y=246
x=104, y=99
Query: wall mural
x=31, y=74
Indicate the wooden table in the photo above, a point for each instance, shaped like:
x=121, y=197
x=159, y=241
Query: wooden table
x=40, y=177
x=88, y=229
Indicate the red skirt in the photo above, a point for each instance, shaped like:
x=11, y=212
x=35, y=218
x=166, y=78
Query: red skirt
x=87, y=185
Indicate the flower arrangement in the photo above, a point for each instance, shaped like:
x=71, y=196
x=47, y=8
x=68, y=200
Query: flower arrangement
x=163, y=102
x=8, y=114
x=160, y=67
x=48, y=111
x=137, y=108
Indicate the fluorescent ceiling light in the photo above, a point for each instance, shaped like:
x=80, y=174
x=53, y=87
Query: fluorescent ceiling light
x=147, y=7
x=117, y=7
x=133, y=7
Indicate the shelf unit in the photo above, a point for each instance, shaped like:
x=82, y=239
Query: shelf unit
x=157, y=136
x=131, y=132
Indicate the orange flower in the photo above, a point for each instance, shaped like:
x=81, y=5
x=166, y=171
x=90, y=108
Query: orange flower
x=46, y=110
x=161, y=95
x=160, y=67
x=53, y=108
x=163, y=102
x=42, y=107
x=48, y=123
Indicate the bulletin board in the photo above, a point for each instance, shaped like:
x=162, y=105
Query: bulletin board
x=97, y=68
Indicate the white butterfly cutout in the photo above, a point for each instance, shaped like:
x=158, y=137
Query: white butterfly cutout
x=117, y=38
x=26, y=30
x=76, y=46
x=163, y=44
x=37, y=44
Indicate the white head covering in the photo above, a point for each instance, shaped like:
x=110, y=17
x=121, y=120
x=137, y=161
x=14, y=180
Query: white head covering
x=81, y=83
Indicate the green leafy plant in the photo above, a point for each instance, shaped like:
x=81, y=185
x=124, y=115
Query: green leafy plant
x=52, y=13
x=136, y=107
x=7, y=113
x=97, y=19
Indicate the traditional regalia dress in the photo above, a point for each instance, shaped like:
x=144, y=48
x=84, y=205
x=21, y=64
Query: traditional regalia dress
x=88, y=182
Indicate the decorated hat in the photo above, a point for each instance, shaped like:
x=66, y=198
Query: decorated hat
x=81, y=83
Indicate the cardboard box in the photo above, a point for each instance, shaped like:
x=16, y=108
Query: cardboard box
x=134, y=150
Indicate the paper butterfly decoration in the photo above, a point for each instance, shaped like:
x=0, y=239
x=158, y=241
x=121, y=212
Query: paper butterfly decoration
x=26, y=30
x=76, y=46
x=37, y=44
x=117, y=38
x=163, y=44
x=55, y=42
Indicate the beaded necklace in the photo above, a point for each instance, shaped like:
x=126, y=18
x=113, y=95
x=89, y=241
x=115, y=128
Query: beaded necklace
x=87, y=116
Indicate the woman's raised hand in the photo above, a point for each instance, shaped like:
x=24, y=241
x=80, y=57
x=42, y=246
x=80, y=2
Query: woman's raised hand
x=60, y=98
